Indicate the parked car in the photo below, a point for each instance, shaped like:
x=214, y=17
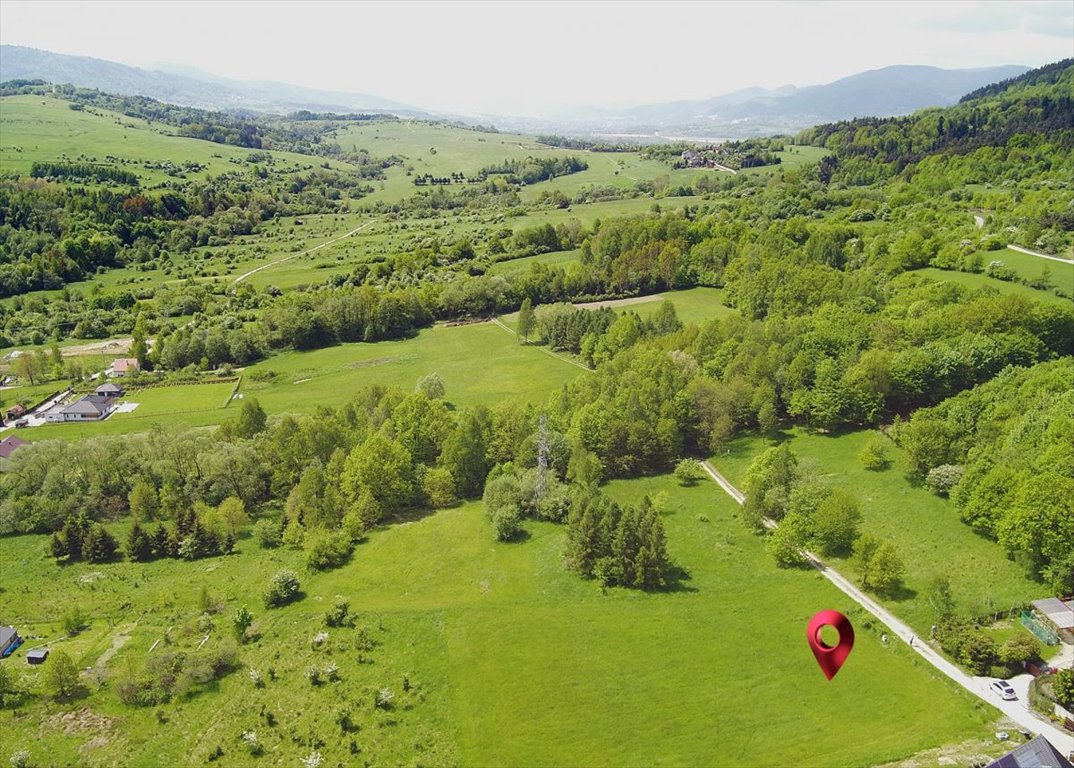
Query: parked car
x=21, y=423
x=1003, y=689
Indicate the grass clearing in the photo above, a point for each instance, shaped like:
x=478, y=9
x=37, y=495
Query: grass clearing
x=926, y=529
x=976, y=280
x=498, y=639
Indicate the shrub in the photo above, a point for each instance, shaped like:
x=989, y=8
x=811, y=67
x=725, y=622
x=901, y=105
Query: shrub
x=339, y=614
x=688, y=472
x=384, y=699
x=1064, y=687
x=978, y=652
x=327, y=550
x=268, y=534
x=1019, y=649
x=940, y=480
x=439, y=487
x=283, y=589
x=874, y=454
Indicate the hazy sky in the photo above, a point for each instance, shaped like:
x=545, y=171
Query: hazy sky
x=529, y=57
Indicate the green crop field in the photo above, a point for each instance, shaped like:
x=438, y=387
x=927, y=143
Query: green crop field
x=483, y=632
x=925, y=528
x=560, y=258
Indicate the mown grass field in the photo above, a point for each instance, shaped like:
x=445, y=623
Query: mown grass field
x=926, y=529
x=510, y=659
x=479, y=363
x=977, y=280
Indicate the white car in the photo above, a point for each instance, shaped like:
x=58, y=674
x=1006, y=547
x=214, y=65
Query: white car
x=1003, y=689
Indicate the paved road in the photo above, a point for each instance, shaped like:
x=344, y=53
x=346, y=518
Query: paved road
x=1017, y=710
x=306, y=252
x=1038, y=254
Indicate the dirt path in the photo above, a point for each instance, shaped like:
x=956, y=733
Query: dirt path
x=1017, y=710
x=550, y=353
x=1020, y=249
x=621, y=302
x=306, y=252
x=106, y=347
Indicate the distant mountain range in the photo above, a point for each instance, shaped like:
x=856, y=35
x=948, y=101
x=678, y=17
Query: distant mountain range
x=886, y=92
x=185, y=86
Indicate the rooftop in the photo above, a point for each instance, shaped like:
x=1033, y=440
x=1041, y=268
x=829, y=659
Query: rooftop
x=1059, y=612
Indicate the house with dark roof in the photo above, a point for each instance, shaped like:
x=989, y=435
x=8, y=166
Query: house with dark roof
x=109, y=390
x=89, y=408
x=9, y=445
x=1036, y=753
x=9, y=641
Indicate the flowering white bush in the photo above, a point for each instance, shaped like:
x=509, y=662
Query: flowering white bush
x=313, y=760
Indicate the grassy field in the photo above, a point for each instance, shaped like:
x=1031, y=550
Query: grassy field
x=179, y=404
x=521, y=265
x=1032, y=267
x=44, y=128
x=977, y=280
x=479, y=363
x=509, y=659
x=926, y=529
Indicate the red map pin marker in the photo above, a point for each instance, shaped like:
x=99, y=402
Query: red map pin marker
x=829, y=657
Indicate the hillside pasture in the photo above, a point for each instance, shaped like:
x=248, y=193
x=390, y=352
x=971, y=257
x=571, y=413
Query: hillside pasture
x=925, y=528
x=475, y=638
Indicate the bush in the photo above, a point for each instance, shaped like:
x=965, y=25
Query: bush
x=1064, y=687
x=327, y=550
x=1019, y=649
x=978, y=652
x=339, y=614
x=874, y=454
x=439, y=487
x=268, y=534
x=688, y=472
x=943, y=478
x=283, y=589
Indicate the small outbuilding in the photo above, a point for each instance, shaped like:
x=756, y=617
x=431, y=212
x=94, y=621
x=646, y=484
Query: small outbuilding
x=37, y=657
x=1059, y=614
x=9, y=641
x=109, y=390
x=1036, y=753
x=7, y=447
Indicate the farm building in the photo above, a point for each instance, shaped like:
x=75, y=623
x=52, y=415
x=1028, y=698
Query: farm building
x=1059, y=614
x=1036, y=753
x=9, y=641
x=37, y=657
x=109, y=390
x=9, y=445
x=16, y=411
x=123, y=366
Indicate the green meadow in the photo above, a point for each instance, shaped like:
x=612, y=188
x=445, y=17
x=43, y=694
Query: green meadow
x=508, y=659
x=479, y=363
x=925, y=528
x=977, y=280
x=44, y=128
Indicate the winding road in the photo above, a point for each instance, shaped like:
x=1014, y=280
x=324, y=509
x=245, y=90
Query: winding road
x=306, y=252
x=1017, y=710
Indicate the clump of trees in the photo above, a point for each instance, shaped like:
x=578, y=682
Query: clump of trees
x=618, y=546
